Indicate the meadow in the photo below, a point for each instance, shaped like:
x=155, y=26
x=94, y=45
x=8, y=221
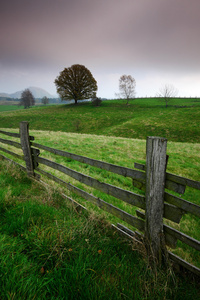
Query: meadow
x=9, y=107
x=98, y=132
x=141, y=118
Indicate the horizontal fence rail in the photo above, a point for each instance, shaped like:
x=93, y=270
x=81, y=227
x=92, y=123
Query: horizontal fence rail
x=11, y=143
x=114, y=191
x=183, y=204
x=173, y=207
x=175, y=178
x=126, y=172
x=17, y=135
x=12, y=153
x=139, y=224
x=176, y=235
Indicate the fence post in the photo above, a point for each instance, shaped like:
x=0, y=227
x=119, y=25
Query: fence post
x=26, y=147
x=155, y=184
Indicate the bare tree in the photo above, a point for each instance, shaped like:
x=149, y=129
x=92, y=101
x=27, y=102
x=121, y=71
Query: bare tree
x=127, y=87
x=167, y=92
x=27, y=99
x=77, y=83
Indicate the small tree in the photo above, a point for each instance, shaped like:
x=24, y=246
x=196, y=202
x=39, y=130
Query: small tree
x=45, y=100
x=96, y=101
x=76, y=83
x=127, y=87
x=167, y=92
x=27, y=99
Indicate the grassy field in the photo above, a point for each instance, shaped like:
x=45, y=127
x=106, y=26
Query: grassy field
x=184, y=160
x=10, y=107
x=114, y=133
x=141, y=118
x=49, y=251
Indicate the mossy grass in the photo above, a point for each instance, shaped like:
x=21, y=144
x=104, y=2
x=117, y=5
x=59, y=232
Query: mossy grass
x=49, y=251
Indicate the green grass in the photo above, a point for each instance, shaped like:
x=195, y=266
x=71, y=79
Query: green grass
x=184, y=160
x=141, y=118
x=49, y=251
x=114, y=133
x=10, y=107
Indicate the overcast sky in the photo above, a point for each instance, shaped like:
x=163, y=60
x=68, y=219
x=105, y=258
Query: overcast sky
x=155, y=41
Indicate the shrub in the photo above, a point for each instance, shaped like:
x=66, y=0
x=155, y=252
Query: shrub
x=96, y=101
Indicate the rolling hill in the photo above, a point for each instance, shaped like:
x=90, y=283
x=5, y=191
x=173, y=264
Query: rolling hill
x=36, y=91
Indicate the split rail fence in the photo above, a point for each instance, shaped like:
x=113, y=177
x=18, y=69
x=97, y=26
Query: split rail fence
x=151, y=178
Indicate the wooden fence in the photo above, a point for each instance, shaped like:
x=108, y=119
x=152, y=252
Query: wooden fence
x=152, y=178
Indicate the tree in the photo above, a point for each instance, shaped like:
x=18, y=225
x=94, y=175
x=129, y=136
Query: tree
x=27, y=99
x=127, y=87
x=45, y=100
x=167, y=92
x=77, y=83
x=96, y=101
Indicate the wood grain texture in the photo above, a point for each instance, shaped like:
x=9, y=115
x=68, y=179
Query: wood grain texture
x=155, y=184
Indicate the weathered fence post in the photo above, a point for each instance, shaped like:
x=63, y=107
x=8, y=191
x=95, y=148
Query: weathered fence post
x=26, y=147
x=155, y=184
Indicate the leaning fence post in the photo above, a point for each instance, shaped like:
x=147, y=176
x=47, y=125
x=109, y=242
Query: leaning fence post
x=155, y=184
x=26, y=147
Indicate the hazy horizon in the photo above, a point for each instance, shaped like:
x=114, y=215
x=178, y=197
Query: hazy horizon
x=156, y=42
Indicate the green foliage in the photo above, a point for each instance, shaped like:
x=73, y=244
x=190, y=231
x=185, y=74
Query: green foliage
x=77, y=83
x=49, y=251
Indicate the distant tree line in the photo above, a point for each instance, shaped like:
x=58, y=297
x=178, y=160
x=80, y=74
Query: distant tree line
x=9, y=99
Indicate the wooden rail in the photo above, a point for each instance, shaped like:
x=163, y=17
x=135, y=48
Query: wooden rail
x=126, y=172
x=114, y=191
x=162, y=204
x=175, y=178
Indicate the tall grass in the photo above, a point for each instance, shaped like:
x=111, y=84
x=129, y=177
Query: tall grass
x=49, y=251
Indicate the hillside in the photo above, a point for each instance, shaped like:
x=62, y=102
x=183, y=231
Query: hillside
x=141, y=118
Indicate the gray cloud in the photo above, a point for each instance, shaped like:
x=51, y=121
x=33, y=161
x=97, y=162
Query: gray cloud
x=108, y=36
